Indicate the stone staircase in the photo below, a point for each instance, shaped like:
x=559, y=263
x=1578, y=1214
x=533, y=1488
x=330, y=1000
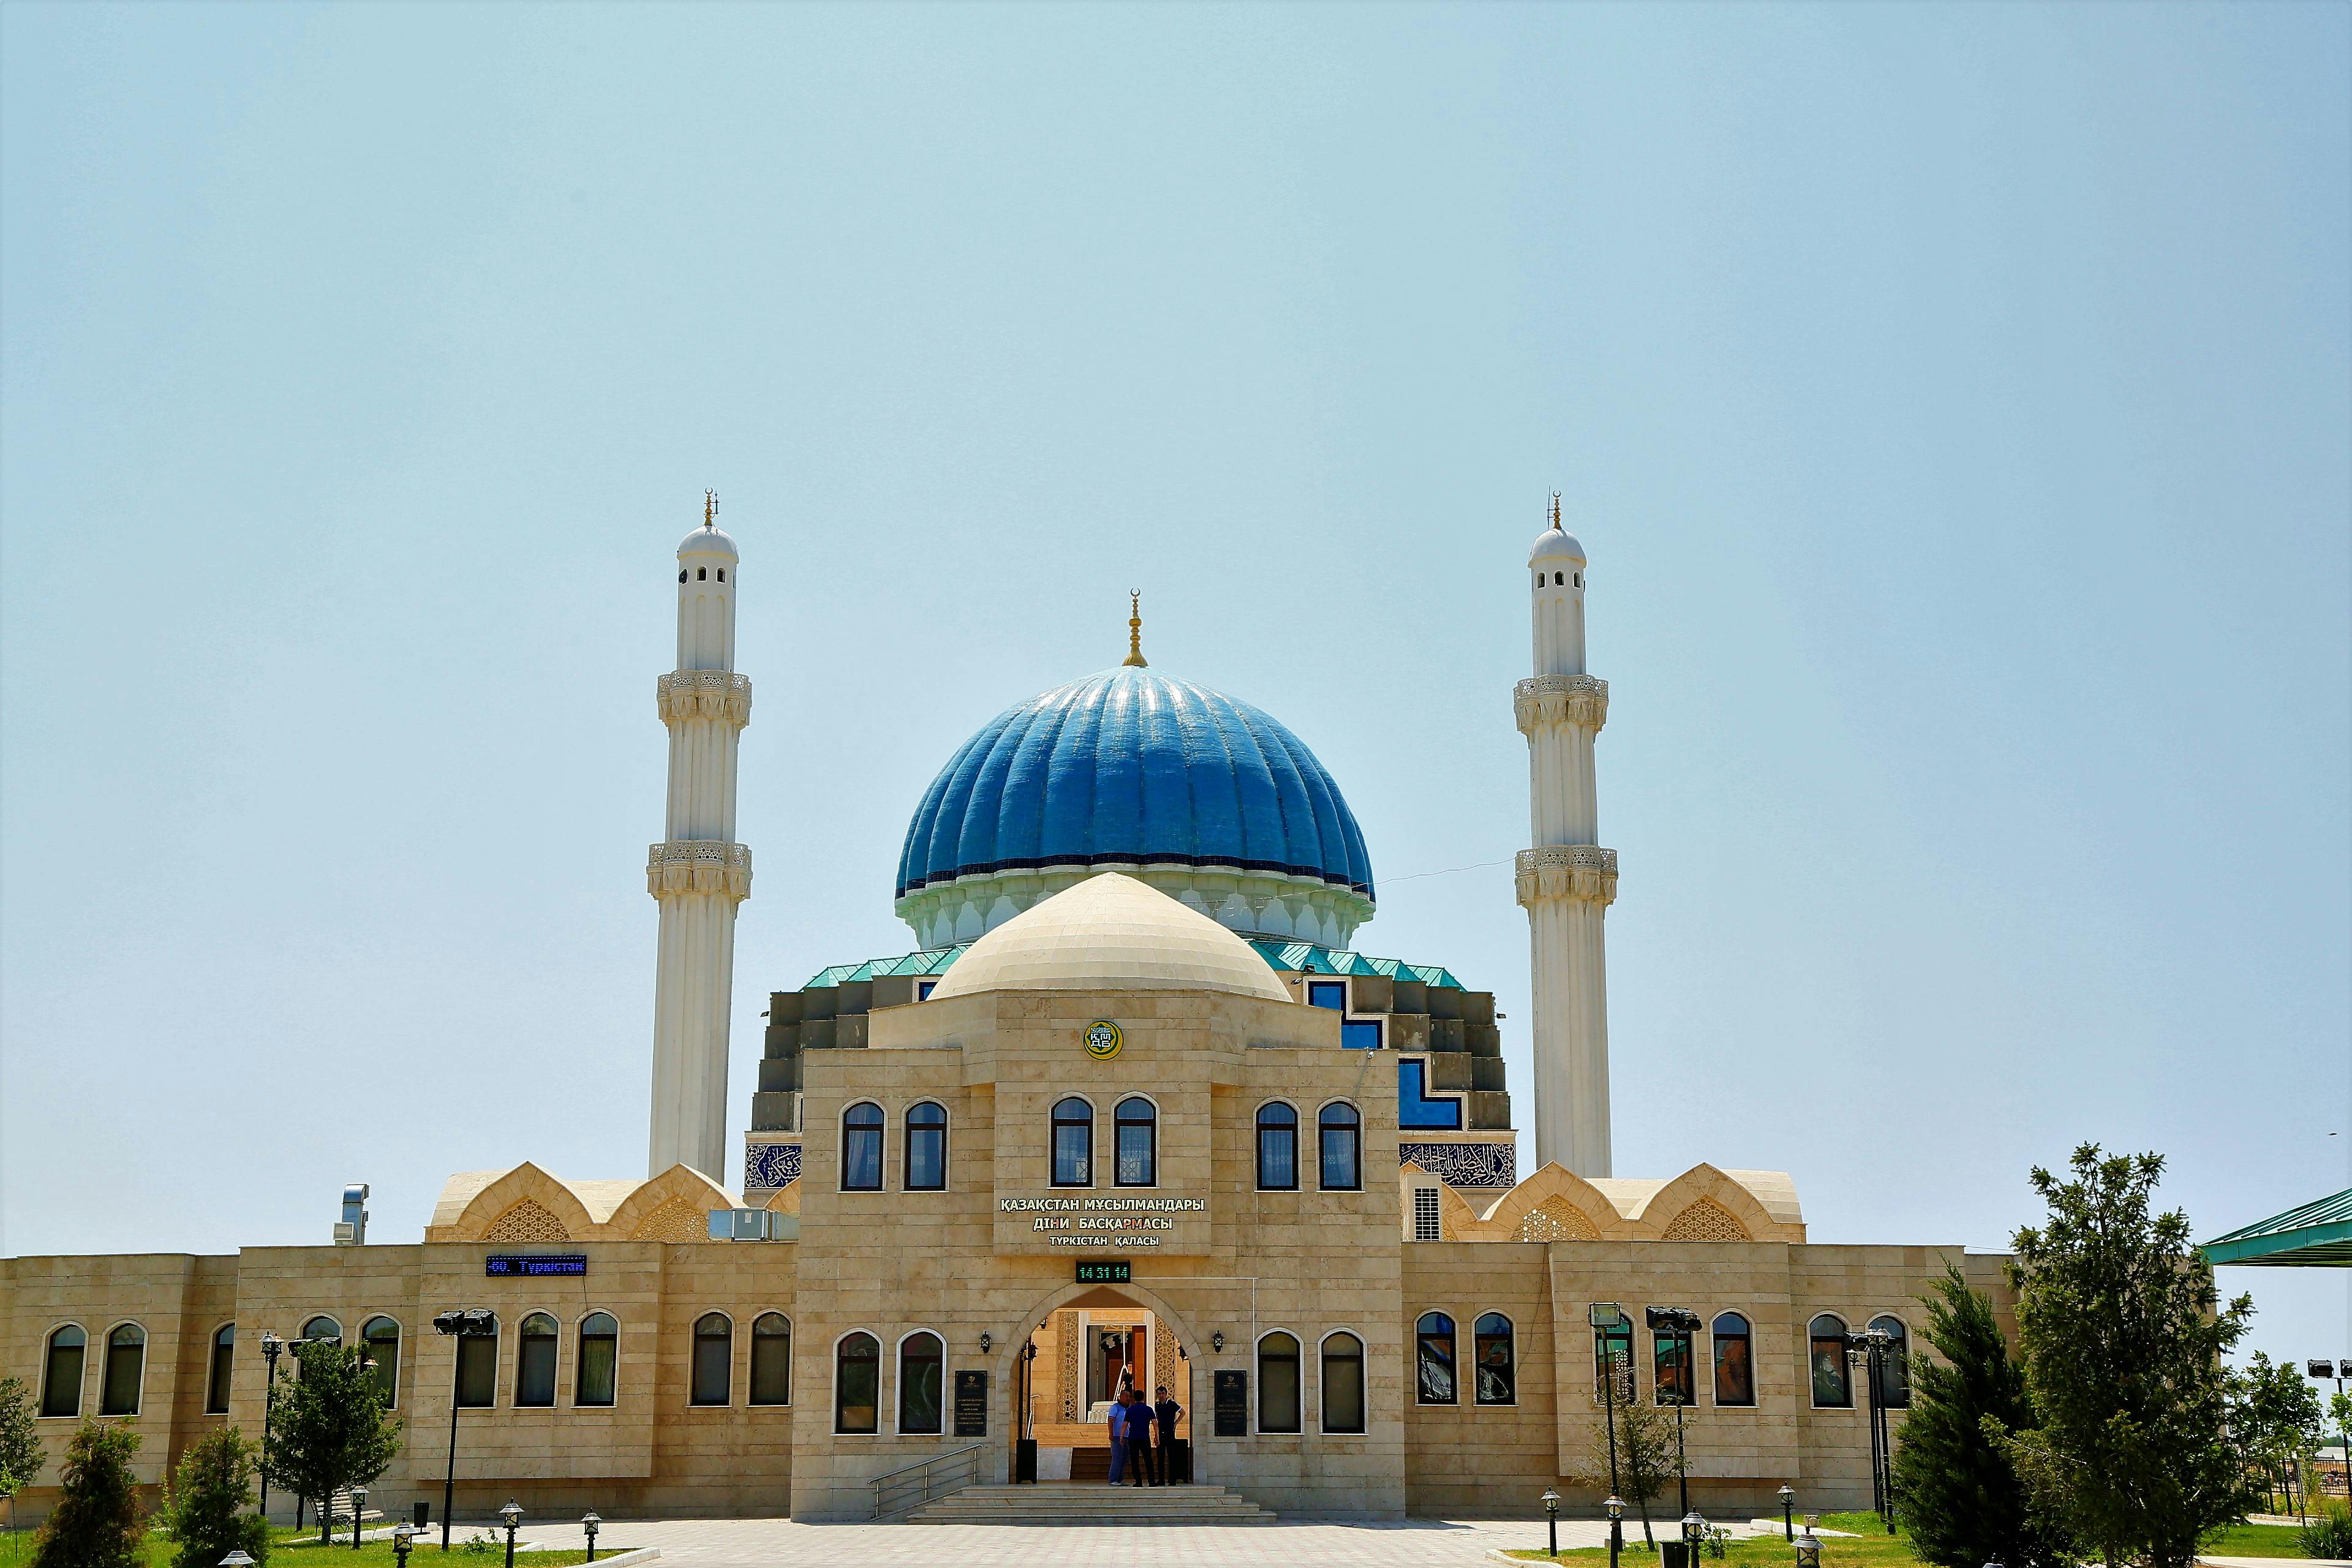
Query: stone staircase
x=1090, y=1502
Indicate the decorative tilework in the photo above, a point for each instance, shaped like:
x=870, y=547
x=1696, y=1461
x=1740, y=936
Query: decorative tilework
x=1465, y=1164
x=770, y=1165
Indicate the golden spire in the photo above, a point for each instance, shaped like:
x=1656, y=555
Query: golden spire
x=710, y=509
x=1134, y=630
x=1555, y=509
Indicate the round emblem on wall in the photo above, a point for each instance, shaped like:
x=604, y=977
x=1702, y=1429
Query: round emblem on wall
x=1103, y=1039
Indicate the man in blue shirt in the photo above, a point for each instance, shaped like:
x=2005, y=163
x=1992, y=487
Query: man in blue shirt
x=1140, y=1417
x=1119, y=1437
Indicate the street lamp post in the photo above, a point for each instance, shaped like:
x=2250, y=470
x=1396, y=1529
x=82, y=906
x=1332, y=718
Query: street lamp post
x=1869, y=1348
x=271, y=1347
x=1809, y=1550
x=1694, y=1536
x=2322, y=1370
x=1606, y=1317
x=1551, y=1519
x=1788, y=1513
x=513, y=1514
x=359, y=1503
x=588, y=1523
x=1681, y=1323
x=1616, y=1507
x=474, y=1322
x=404, y=1541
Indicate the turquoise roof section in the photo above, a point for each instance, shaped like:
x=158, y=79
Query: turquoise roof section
x=1129, y=767
x=2319, y=1235
x=1283, y=957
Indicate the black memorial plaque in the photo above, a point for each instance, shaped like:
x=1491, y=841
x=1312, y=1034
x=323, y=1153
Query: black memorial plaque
x=971, y=1404
x=1233, y=1405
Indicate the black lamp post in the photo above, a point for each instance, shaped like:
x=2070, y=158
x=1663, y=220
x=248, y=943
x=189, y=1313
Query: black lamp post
x=404, y=1541
x=1616, y=1510
x=236, y=1559
x=1869, y=1348
x=1788, y=1513
x=271, y=1347
x=358, y=1503
x=1551, y=1519
x=474, y=1322
x=1809, y=1550
x=588, y=1523
x=1678, y=1322
x=2339, y=1371
x=1694, y=1536
x=513, y=1516
x=1606, y=1317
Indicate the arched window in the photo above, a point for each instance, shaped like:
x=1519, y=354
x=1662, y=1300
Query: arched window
x=681, y=573
x=922, y=1375
x=1895, y=1377
x=1832, y=1390
x=772, y=1359
x=1074, y=1143
x=1277, y=1148
x=1670, y=1372
x=379, y=1342
x=714, y=1358
x=477, y=1369
x=323, y=1328
x=217, y=1379
x=927, y=1148
x=1343, y=1383
x=1498, y=1360
x=1277, y=1383
x=535, y=1342
x=861, y=1148
x=1613, y=1355
x=1134, y=1143
x=596, y=1381
x=1734, y=1360
x=1433, y=1354
x=1343, y=1143
x=856, y=1383
x=722, y=574
x=61, y=1378
x=126, y=1360
x=702, y=574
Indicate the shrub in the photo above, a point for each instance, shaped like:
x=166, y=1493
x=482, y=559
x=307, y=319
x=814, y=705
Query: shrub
x=204, y=1508
x=2330, y=1535
x=96, y=1521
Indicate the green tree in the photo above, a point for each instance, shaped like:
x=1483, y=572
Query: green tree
x=96, y=1521
x=2276, y=1420
x=205, y=1505
x=1645, y=1449
x=2123, y=1336
x=1962, y=1501
x=329, y=1430
x=20, y=1448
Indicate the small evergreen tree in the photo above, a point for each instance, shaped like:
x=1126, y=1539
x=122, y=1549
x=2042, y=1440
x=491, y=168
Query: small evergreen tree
x=2122, y=1335
x=1962, y=1501
x=20, y=1448
x=204, y=1508
x=2276, y=1421
x=96, y=1521
x=330, y=1429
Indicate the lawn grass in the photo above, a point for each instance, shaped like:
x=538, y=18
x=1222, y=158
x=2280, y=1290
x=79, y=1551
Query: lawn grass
x=2258, y=1541
x=288, y=1550
x=1869, y=1546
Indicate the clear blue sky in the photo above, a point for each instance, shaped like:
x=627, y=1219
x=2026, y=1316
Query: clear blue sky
x=1954, y=403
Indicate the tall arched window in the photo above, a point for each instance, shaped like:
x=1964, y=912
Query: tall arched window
x=922, y=1377
x=861, y=1148
x=1496, y=1357
x=1343, y=1383
x=1135, y=1139
x=1277, y=1148
x=1433, y=1354
x=1832, y=1390
x=61, y=1376
x=1894, y=1380
x=477, y=1369
x=1277, y=1383
x=714, y=1357
x=380, y=1340
x=323, y=1328
x=126, y=1362
x=1074, y=1143
x=1342, y=1133
x=927, y=1148
x=1670, y=1371
x=1613, y=1356
x=217, y=1380
x=856, y=1384
x=772, y=1359
x=1734, y=1360
x=535, y=1342
x=595, y=1382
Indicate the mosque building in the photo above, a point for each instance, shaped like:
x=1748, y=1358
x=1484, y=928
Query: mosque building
x=1134, y=1108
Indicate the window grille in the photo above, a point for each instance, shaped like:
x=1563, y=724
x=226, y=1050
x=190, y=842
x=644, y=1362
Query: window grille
x=1428, y=1222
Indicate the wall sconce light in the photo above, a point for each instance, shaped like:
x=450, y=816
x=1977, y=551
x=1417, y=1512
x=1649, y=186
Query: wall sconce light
x=1217, y=1340
x=985, y=1341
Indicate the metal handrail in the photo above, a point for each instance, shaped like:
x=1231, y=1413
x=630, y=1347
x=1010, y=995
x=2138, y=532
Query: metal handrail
x=883, y=1485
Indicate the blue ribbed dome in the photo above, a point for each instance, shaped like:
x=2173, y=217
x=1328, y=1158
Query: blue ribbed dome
x=1128, y=766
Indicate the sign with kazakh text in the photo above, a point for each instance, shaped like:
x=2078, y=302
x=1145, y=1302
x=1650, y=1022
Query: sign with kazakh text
x=1102, y=1222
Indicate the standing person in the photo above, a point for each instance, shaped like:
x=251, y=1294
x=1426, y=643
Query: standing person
x=1165, y=1412
x=1119, y=1437
x=1139, y=1437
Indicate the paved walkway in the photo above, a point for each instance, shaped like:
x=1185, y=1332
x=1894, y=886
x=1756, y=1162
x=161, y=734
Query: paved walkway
x=782, y=1543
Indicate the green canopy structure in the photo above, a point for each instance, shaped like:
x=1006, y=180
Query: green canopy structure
x=2316, y=1235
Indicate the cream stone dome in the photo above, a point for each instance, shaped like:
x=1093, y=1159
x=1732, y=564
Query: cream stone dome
x=708, y=539
x=1111, y=933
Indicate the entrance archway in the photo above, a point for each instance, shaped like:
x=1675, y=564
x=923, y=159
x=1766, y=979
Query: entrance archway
x=1063, y=1377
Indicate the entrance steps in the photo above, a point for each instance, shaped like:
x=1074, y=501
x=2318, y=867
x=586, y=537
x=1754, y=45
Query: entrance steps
x=1084, y=1502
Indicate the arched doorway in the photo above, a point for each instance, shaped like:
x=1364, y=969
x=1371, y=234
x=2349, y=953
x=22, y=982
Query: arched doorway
x=1084, y=1345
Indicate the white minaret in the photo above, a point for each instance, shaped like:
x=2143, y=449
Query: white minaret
x=698, y=873
x=1566, y=880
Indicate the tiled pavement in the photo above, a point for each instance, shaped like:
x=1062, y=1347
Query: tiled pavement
x=782, y=1543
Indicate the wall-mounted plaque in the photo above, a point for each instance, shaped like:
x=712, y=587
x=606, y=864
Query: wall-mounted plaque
x=1119, y=1272
x=1233, y=1405
x=516, y=1265
x=971, y=1404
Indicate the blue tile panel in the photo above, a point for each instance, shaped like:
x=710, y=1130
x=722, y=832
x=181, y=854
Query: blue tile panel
x=1465, y=1164
x=1415, y=1108
x=769, y=1164
x=1130, y=766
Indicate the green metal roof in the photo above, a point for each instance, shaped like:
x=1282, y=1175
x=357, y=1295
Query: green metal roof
x=2316, y=1235
x=1286, y=957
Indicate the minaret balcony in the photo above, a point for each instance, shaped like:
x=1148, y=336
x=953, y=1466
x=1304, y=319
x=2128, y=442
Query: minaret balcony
x=684, y=866
x=1545, y=699
x=1581, y=872
x=705, y=694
